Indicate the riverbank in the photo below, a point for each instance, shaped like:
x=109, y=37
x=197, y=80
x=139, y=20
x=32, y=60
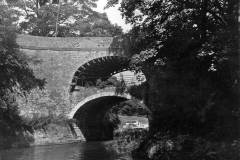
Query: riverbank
x=128, y=140
x=185, y=146
x=61, y=131
x=52, y=133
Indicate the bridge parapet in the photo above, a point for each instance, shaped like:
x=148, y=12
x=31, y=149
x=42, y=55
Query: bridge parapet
x=64, y=43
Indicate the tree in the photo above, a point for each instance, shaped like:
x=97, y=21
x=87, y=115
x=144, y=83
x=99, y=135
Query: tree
x=184, y=40
x=15, y=71
x=60, y=18
x=188, y=51
x=15, y=78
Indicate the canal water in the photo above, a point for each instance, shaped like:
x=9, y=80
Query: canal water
x=74, y=151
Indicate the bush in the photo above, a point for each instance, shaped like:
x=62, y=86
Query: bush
x=137, y=91
x=183, y=147
x=128, y=140
x=41, y=122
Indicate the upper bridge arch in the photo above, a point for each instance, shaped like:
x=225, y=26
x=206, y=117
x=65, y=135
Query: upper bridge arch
x=100, y=67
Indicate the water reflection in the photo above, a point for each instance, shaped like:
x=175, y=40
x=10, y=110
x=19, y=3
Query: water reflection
x=76, y=151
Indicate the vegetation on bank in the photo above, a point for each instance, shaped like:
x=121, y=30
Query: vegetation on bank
x=180, y=147
x=125, y=141
x=16, y=78
x=21, y=93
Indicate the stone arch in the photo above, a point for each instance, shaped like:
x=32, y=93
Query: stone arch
x=95, y=96
x=89, y=109
x=99, y=67
x=90, y=112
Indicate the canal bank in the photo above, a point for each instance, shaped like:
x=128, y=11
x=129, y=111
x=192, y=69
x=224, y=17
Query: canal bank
x=61, y=131
x=52, y=133
x=119, y=148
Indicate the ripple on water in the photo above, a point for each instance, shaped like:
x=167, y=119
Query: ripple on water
x=74, y=151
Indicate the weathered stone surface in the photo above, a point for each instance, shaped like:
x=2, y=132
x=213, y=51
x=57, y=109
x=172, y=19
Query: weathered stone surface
x=64, y=44
x=56, y=60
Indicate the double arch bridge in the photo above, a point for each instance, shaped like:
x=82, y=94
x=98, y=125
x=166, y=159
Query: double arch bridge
x=68, y=64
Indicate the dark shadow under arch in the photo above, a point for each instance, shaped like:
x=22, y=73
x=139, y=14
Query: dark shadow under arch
x=103, y=67
x=90, y=116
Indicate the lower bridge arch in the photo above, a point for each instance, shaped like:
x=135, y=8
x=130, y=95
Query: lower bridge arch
x=89, y=114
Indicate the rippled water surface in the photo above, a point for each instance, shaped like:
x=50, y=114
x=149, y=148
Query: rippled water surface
x=75, y=151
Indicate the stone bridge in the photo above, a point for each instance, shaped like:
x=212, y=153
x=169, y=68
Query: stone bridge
x=68, y=64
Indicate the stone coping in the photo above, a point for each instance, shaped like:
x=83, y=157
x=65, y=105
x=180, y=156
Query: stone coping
x=63, y=43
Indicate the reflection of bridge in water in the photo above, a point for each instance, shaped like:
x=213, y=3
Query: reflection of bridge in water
x=68, y=64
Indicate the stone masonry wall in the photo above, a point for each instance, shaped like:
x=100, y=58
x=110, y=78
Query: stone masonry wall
x=57, y=59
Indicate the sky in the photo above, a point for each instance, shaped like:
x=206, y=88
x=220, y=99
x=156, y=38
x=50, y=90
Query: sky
x=114, y=15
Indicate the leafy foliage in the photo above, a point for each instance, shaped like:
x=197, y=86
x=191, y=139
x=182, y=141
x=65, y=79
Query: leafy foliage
x=189, y=46
x=128, y=140
x=120, y=86
x=111, y=120
x=15, y=78
x=112, y=81
x=164, y=146
x=38, y=103
x=130, y=108
x=73, y=18
x=137, y=91
x=188, y=52
x=14, y=67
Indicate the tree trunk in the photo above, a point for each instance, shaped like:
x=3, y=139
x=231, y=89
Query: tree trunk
x=56, y=28
x=37, y=2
